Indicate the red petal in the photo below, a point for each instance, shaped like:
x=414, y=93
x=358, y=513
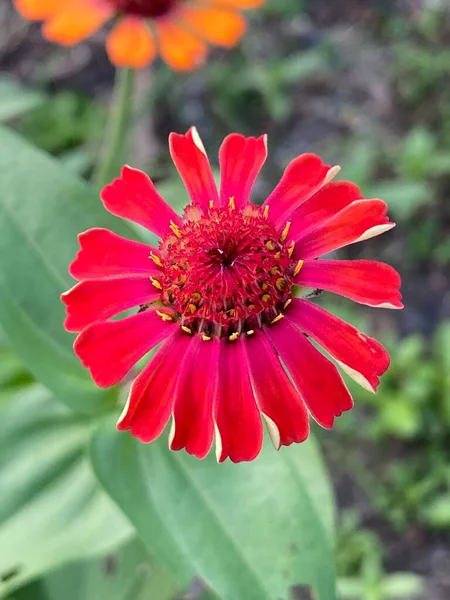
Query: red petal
x=241, y=159
x=278, y=400
x=193, y=422
x=362, y=357
x=365, y=281
x=99, y=299
x=326, y=203
x=150, y=399
x=109, y=349
x=105, y=254
x=189, y=156
x=316, y=378
x=237, y=416
x=302, y=178
x=133, y=196
x=359, y=221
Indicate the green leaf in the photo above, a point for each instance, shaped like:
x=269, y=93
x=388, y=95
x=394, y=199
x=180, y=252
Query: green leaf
x=250, y=531
x=403, y=586
x=125, y=574
x=436, y=514
x=43, y=209
x=52, y=510
x=15, y=100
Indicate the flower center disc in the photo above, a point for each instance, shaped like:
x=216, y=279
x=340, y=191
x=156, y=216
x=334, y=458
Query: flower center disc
x=145, y=8
x=227, y=272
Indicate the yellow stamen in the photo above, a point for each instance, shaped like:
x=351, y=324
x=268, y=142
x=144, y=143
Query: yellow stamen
x=286, y=304
x=186, y=329
x=277, y=255
x=156, y=283
x=211, y=204
x=285, y=231
x=277, y=318
x=298, y=267
x=175, y=229
x=232, y=203
x=156, y=259
x=164, y=316
x=234, y=336
x=291, y=248
x=250, y=332
x=266, y=211
x=206, y=338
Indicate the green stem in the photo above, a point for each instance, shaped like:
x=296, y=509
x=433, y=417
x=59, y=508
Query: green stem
x=117, y=129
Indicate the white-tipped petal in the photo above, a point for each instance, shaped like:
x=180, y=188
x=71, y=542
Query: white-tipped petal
x=218, y=440
x=172, y=433
x=198, y=140
x=374, y=231
x=273, y=431
x=125, y=408
x=356, y=376
x=332, y=174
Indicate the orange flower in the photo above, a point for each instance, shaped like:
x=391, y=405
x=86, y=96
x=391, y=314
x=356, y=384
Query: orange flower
x=178, y=29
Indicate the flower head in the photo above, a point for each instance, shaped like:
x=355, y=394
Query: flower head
x=179, y=29
x=220, y=294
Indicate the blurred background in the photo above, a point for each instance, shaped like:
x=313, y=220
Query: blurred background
x=366, y=84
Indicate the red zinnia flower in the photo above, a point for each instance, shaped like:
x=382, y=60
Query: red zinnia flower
x=218, y=294
x=178, y=29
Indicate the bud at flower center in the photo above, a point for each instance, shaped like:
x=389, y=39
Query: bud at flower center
x=227, y=272
x=145, y=8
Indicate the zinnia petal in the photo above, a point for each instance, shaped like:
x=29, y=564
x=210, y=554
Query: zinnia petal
x=97, y=299
x=190, y=158
x=109, y=349
x=242, y=4
x=133, y=196
x=150, y=400
x=365, y=281
x=37, y=10
x=105, y=254
x=279, y=402
x=241, y=160
x=361, y=357
x=323, y=205
x=239, y=434
x=131, y=43
x=302, y=178
x=180, y=49
x=193, y=422
x=76, y=20
x=216, y=25
x=358, y=221
x=316, y=378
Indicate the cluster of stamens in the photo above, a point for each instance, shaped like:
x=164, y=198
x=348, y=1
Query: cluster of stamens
x=226, y=273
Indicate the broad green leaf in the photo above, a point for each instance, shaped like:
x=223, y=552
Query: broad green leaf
x=43, y=208
x=250, y=531
x=125, y=574
x=16, y=100
x=52, y=509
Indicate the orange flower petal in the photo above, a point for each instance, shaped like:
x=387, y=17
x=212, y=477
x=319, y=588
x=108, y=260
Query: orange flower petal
x=242, y=4
x=131, y=43
x=180, y=49
x=76, y=21
x=216, y=25
x=38, y=10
